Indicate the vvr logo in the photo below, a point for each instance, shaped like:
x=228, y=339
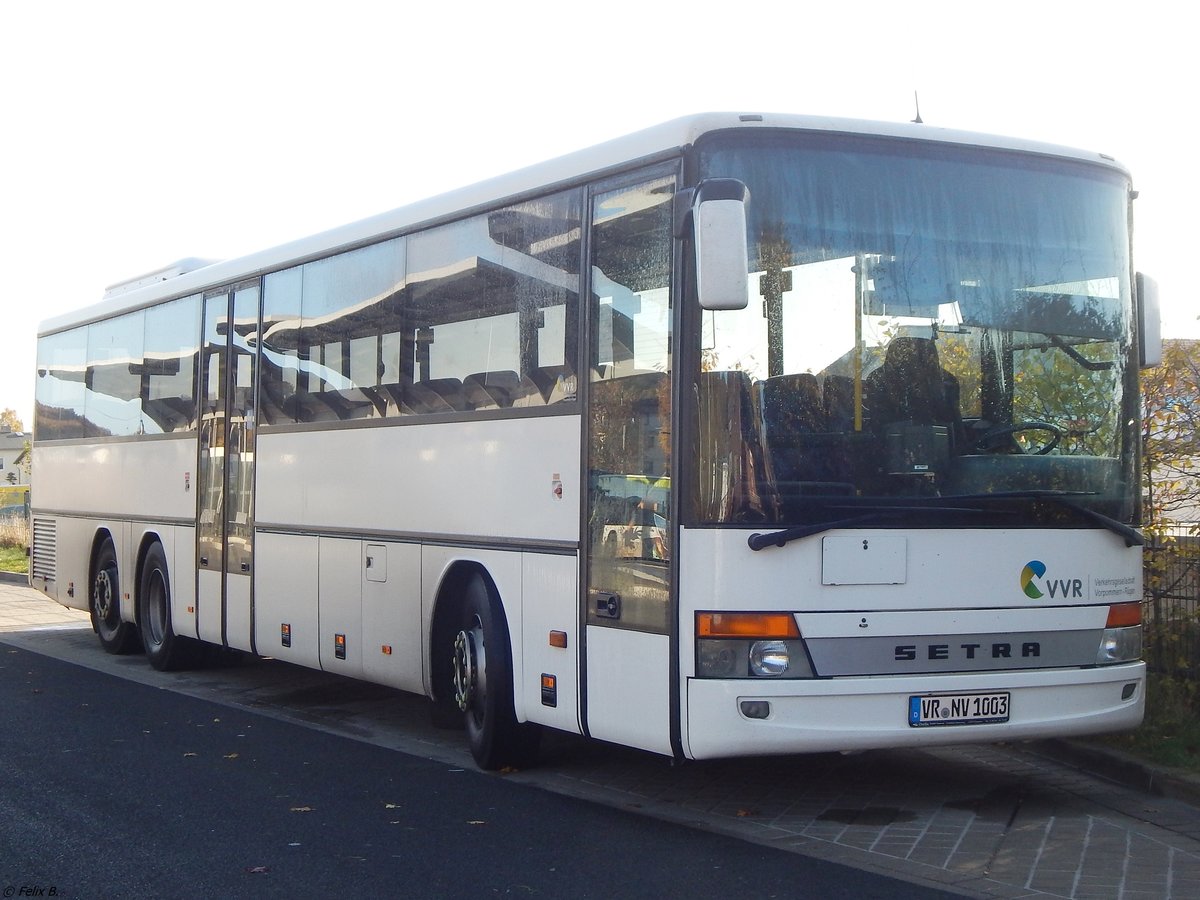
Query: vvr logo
x=1060, y=588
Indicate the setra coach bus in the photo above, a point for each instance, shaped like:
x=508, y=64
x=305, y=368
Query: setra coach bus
x=745, y=434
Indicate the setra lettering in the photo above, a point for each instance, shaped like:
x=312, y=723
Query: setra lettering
x=998, y=650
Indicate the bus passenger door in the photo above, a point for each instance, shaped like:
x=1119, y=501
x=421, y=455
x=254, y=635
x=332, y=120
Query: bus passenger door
x=628, y=534
x=225, y=524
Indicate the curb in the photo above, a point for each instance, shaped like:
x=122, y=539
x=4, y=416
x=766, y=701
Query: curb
x=1122, y=768
x=14, y=578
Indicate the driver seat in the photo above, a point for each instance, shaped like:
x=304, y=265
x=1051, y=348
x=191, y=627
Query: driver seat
x=912, y=387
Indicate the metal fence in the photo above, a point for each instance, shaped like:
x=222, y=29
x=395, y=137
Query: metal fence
x=1171, y=608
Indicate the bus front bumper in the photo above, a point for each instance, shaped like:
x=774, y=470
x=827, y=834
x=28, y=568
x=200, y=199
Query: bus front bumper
x=746, y=717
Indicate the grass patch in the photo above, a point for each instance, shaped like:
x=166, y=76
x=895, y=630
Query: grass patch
x=14, y=538
x=13, y=559
x=1170, y=734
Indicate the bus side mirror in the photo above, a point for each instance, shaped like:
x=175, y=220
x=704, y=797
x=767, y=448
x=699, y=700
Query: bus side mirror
x=716, y=211
x=1149, y=322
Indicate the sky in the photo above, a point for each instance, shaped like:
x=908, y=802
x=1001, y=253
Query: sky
x=134, y=134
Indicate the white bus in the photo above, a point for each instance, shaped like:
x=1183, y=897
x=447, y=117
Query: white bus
x=745, y=434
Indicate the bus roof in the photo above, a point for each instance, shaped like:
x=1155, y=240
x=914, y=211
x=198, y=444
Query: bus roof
x=186, y=277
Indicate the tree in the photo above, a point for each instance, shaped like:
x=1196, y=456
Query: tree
x=10, y=418
x=1171, y=491
x=1171, y=435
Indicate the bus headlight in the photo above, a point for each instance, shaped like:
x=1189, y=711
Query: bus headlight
x=719, y=659
x=751, y=659
x=768, y=659
x=750, y=645
x=1121, y=640
x=1119, y=645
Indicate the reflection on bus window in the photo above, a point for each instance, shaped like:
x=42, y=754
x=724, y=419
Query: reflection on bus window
x=478, y=314
x=630, y=419
x=926, y=326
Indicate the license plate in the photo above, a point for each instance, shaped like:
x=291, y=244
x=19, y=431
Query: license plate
x=957, y=709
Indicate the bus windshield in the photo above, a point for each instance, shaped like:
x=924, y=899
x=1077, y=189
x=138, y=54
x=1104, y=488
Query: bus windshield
x=939, y=330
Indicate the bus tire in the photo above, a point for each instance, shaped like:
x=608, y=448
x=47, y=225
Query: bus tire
x=165, y=650
x=116, y=636
x=483, y=683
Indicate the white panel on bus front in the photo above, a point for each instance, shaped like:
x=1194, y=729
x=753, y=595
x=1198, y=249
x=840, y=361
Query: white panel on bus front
x=867, y=558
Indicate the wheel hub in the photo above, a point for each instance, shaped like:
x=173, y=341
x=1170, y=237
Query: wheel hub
x=469, y=667
x=156, y=609
x=103, y=594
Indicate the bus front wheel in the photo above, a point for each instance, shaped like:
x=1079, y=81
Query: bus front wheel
x=116, y=636
x=483, y=683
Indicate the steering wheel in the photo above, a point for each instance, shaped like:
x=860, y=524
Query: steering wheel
x=989, y=440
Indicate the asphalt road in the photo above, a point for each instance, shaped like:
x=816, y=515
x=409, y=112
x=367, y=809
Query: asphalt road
x=110, y=788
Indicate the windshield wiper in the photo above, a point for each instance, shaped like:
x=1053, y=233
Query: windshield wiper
x=759, y=541
x=1133, y=537
x=779, y=538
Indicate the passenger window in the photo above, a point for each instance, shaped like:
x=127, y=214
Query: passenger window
x=59, y=393
x=325, y=336
x=168, y=386
x=491, y=310
x=279, y=347
x=112, y=403
x=474, y=315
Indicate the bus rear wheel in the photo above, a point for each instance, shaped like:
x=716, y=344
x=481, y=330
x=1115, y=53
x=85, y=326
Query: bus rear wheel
x=483, y=683
x=165, y=650
x=116, y=636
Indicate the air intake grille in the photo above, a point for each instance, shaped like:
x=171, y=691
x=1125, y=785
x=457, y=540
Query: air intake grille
x=44, y=563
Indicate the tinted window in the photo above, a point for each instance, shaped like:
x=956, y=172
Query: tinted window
x=61, y=364
x=492, y=309
x=475, y=315
x=112, y=402
x=168, y=375
x=328, y=339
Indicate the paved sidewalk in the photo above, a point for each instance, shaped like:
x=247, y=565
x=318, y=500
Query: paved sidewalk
x=24, y=609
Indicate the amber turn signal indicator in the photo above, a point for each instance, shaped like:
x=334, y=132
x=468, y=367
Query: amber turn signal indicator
x=1124, y=614
x=746, y=625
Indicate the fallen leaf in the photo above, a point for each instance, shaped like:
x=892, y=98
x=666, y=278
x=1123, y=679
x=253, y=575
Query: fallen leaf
x=743, y=813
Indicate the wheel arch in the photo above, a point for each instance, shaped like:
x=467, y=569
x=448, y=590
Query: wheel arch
x=115, y=624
